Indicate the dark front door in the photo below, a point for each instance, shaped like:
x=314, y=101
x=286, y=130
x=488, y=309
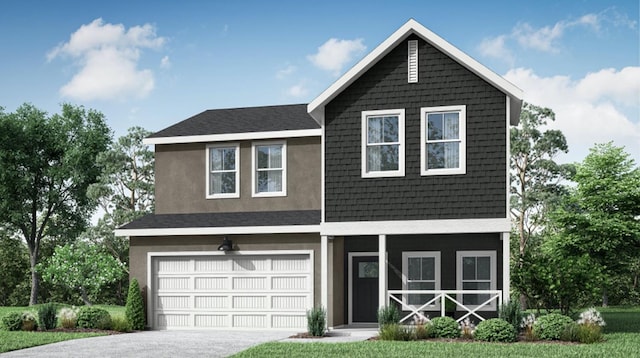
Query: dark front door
x=365, y=288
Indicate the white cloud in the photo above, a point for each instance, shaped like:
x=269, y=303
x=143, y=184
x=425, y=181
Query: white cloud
x=165, y=62
x=297, y=91
x=600, y=107
x=335, y=53
x=285, y=72
x=107, y=56
x=496, y=47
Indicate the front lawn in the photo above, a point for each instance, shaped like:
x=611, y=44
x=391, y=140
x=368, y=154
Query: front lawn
x=10, y=341
x=622, y=339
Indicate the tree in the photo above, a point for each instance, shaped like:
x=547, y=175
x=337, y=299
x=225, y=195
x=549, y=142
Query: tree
x=134, y=309
x=14, y=268
x=82, y=267
x=535, y=176
x=601, y=217
x=124, y=191
x=46, y=165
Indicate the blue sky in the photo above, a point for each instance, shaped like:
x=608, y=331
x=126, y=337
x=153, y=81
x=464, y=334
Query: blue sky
x=155, y=63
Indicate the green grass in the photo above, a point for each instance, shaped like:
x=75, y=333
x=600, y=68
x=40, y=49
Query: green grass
x=622, y=339
x=10, y=341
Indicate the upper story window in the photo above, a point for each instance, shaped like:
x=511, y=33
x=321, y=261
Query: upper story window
x=223, y=179
x=477, y=271
x=383, y=143
x=269, y=177
x=420, y=271
x=443, y=144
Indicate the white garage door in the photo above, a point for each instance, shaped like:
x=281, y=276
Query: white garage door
x=232, y=291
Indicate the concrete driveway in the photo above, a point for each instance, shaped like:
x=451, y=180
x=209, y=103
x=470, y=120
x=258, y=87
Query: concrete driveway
x=155, y=344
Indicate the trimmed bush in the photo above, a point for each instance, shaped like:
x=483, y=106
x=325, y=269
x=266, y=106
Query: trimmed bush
x=29, y=321
x=512, y=313
x=93, y=317
x=120, y=324
x=316, y=321
x=495, y=330
x=134, y=308
x=12, y=321
x=68, y=317
x=445, y=327
x=47, y=316
x=395, y=332
x=551, y=326
x=388, y=315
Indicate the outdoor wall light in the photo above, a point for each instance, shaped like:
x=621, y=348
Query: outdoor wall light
x=227, y=245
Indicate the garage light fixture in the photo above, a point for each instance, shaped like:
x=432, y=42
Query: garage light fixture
x=227, y=245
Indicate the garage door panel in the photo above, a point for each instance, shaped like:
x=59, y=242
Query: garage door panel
x=211, y=283
x=232, y=291
x=174, y=283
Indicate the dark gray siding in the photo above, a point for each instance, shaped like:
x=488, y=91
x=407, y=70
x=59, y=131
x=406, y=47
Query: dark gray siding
x=480, y=193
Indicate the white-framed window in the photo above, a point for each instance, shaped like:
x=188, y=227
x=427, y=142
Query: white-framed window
x=383, y=143
x=476, y=270
x=443, y=140
x=223, y=166
x=269, y=163
x=420, y=271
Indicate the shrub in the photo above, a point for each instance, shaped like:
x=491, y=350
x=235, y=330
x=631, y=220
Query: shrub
x=395, y=332
x=68, y=317
x=467, y=328
x=527, y=327
x=422, y=328
x=12, y=321
x=589, y=333
x=445, y=327
x=512, y=313
x=47, y=316
x=388, y=315
x=551, y=326
x=316, y=321
x=120, y=324
x=93, y=317
x=570, y=333
x=134, y=308
x=29, y=321
x=496, y=330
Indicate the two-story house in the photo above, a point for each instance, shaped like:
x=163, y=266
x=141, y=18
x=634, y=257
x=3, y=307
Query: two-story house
x=390, y=187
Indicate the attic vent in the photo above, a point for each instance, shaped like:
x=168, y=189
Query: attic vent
x=413, y=61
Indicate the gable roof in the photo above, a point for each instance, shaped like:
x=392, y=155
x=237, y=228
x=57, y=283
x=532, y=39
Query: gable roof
x=316, y=107
x=240, y=123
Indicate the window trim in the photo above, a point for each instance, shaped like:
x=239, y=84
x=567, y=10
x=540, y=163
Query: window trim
x=401, y=144
x=405, y=274
x=462, y=125
x=254, y=169
x=493, y=256
x=236, y=194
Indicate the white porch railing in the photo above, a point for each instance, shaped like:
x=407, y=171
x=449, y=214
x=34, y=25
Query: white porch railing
x=442, y=295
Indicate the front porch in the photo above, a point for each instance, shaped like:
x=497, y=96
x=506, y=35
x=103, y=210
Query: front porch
x=417, y=273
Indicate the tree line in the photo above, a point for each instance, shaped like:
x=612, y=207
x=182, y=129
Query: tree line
x=576, y=226
x=56, y=173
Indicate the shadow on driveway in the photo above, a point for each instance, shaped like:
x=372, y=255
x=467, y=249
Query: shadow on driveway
x=155, y=344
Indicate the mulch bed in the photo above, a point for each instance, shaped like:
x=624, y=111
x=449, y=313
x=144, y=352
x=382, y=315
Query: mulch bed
x=82, y=330
x=306, y=335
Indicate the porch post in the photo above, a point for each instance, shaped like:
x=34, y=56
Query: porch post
x=382, y=270
x=324, y=272
x=506, y=267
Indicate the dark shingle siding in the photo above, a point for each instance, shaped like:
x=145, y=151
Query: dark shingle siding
x=237, y=219
x=242, y=120
x=481, y=193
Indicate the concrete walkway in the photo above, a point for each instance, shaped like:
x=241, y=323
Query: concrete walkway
x=160, y=344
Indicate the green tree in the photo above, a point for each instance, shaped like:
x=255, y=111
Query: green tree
x=46, y=165
x=82, y=267
x=14, y=269
x=601, y=217
x=535, y=177
x=134, y=309
x=124, y=190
